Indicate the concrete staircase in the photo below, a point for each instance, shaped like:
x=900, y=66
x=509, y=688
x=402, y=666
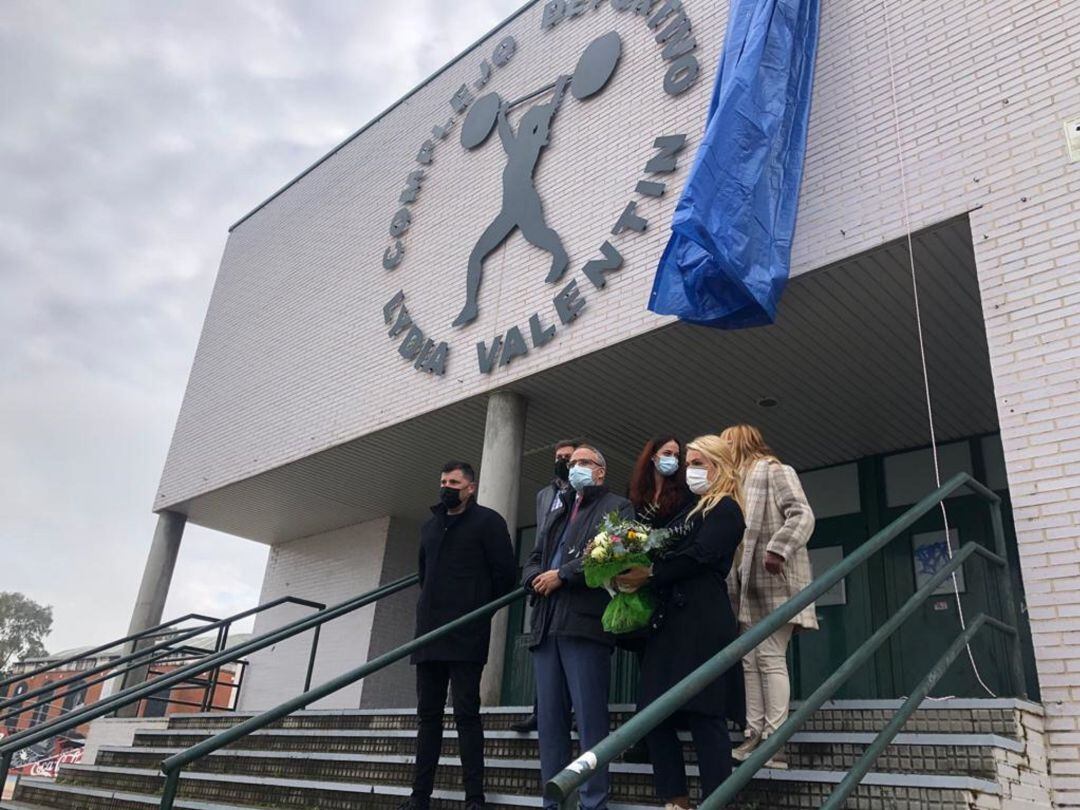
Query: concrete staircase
x=953, y=754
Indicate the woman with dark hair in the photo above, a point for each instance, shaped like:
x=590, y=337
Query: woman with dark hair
x=661, y=498
x=658, y=484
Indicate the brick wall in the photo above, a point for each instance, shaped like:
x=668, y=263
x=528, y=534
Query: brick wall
x=327, y=568
x=395, y=622
x=1027, y=245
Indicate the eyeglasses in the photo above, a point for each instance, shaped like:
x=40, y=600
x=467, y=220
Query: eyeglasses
x=584, y=462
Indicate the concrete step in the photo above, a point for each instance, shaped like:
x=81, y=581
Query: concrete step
x=52, y=795
x=631, y=784
x=953, y=755
x=959, y=754
x=952, y=716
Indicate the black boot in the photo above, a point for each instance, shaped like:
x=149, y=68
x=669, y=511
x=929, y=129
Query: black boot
x=525, y=726
x=637, y=753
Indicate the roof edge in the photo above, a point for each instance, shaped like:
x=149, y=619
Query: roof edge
x=468, y=49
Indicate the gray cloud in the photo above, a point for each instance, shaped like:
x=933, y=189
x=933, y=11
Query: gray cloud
x=133, y=133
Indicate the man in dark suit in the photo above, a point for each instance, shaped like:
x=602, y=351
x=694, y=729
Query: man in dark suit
x=466, y=561
x=560, y=483
x=571, y=651
x=547, y=503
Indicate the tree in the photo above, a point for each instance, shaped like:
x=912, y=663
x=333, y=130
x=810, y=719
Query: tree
x=24, y=624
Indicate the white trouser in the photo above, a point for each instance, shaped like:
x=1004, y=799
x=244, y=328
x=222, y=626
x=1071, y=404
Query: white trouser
x=768, y=688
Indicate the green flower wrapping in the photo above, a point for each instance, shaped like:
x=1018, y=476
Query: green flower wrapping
x=622, y=544
x=627, y=612
x=599, y=574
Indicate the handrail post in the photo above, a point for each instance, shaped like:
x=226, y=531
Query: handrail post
x=209, y=689
x=1008, y=603
x=5, y=767
x=215, y=674
x=311, y=657
x=172, y=783
x=238, y=684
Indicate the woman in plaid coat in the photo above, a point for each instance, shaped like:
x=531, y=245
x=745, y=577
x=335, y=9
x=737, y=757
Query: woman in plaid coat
x=772, y=566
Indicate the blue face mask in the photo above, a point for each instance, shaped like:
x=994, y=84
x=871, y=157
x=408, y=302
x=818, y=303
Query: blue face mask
x=580, y=477
x=666, y=465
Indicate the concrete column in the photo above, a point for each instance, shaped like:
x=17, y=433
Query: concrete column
x=500, y=486
x=154, y=590
x=157, y=575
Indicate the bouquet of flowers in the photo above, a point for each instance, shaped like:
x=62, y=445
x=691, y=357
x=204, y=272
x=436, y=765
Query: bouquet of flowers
x=622, y=544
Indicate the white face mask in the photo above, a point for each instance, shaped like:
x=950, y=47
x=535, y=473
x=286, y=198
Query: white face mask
x=697, y=478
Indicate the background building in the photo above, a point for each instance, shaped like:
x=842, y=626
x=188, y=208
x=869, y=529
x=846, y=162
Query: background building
x=72, y=696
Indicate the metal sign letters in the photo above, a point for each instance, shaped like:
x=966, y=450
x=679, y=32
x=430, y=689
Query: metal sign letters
x=522, y=208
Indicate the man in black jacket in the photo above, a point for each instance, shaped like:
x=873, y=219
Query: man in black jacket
x=466, y=561
x=571, y=651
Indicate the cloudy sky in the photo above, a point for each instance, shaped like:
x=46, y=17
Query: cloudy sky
x=132, y=134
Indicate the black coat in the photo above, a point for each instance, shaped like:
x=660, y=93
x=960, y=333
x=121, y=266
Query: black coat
x=574, y=609
x=466, y=561
x=634, y=641
x=697, y=617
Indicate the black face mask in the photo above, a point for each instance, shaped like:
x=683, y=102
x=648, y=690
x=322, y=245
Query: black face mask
x=562, y=469
x=450, y=498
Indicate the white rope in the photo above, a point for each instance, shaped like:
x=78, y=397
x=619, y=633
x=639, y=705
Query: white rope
x=919, y=329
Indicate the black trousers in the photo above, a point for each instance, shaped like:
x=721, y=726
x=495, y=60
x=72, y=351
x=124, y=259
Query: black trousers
x=712, y=742
x=432, y=679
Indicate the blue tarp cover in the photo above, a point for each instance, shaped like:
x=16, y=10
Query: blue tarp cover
x=727, y=261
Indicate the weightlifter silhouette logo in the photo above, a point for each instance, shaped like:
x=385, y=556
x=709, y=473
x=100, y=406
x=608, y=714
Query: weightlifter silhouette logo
x=521, y=205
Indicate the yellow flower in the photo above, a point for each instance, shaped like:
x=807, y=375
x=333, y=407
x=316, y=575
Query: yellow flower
x=598, y=553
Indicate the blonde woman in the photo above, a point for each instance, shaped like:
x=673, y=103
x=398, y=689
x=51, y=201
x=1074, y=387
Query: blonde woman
x=697, y=622
x=773, y=566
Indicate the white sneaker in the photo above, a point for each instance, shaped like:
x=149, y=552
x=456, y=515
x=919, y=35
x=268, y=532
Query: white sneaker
x=750, y=744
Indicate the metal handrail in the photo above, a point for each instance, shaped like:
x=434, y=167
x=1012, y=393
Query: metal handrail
x=724, y=794
x=564, y=785
x=173, y=766
x=49, y=695
x=133, y=694
x=92, y=653
x=892, y=728
x=180, y=636
x=208, y=686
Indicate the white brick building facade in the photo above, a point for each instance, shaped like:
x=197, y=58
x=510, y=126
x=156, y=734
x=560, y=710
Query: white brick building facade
x=295, y=360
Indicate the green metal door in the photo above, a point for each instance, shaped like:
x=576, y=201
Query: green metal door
x=518, y=687
x=844, y=614
x=873, y=594
x=914, y=556
x=911, y=559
